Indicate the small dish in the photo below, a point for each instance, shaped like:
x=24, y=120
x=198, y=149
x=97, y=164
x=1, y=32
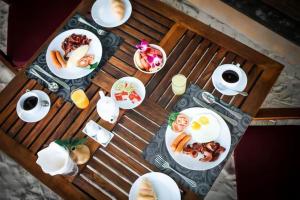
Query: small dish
x=101, y=14
x=136, y=54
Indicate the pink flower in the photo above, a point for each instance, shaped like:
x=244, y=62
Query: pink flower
x=154, y=61
x=143, y=46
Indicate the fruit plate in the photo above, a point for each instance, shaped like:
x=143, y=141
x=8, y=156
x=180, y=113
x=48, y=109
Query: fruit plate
x=164, y=57
x=216, y=124
x=164, y=186
x=73, y=72
x=139, y=89
x=101, y=13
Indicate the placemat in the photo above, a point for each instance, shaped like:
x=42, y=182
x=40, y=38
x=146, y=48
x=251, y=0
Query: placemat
x=110, y=43
x=204, y=179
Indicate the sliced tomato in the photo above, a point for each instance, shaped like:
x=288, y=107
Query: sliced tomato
x=134, y=96
x=177, y=127
x=119, y=96
x=183, y=120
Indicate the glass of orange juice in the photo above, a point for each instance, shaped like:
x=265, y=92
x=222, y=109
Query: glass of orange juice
x=79, y=98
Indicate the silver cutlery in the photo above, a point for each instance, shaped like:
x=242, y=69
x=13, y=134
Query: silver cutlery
x=99, y=31
x=204, y=105
x=63, y=84
x=52, y=86
x=239, y=92
x=209, y=98
x=160, y=162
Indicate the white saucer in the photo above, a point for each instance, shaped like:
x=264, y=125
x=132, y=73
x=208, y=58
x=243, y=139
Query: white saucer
x=101, y=14
x=36, y=116
x=240, y=86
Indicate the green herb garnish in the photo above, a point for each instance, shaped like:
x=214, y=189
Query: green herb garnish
x=94, y=66
x=71, y=143
x=172, y=118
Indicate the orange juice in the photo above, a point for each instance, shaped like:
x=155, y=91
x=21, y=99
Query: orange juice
x=79, y=98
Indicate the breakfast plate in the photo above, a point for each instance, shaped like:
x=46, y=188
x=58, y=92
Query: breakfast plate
x=128, y=92
x=102, y=13
x=203, y=127
x=164, y=186
x=72, y=71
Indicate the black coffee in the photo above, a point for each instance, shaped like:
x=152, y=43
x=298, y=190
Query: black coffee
x=230, y=76
x=30, y=103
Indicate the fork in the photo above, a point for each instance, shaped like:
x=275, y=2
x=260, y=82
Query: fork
x=99, y=31
x=160, y=162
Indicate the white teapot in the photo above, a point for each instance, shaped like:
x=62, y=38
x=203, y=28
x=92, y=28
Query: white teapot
x=107, y=108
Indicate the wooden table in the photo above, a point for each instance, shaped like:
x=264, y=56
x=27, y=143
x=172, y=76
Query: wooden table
x=193, y=49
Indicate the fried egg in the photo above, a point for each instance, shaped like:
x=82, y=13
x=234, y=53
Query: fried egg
x=204, y=128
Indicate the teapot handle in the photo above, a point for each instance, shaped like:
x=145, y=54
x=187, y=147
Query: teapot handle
x=101, y=93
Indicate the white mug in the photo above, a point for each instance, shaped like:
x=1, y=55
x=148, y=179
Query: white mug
x=236, y=69
x=26, y=96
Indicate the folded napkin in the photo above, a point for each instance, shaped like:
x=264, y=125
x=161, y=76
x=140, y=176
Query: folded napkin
x=206, y=178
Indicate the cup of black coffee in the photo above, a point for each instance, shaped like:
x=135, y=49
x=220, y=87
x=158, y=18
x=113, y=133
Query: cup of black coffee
x=30, y=102
x=230, y=76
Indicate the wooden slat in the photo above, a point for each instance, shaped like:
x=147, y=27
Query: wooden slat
x=104, y=80
x=122, y=65
x=137, y=34
x=116, y=166
x=103, y=182
x=89, y=188
x=145, y=29
x=150, y=126
x=153, y=14
x=12, y=104
x=277, y=113
x=171, y=60
x=113, y=71
x=181, y=60
x=35, y=129
x=149, y=22
x=13, y=88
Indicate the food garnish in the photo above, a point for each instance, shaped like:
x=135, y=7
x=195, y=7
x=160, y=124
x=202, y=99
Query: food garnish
x=178, y=121
x=210, y=150
x=126, y=91
x=149, y=58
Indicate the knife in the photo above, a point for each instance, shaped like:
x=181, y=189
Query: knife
x=38, y=68
x=204, y=105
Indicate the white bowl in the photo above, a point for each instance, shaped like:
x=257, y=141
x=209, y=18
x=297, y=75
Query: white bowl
x=156, y=47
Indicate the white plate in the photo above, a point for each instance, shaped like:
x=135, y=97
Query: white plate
x=37, y=116
x=224, y=138
x=73, y=72
x=101, y=13
x=140, y=89
x=216, y=79
x=164, y=186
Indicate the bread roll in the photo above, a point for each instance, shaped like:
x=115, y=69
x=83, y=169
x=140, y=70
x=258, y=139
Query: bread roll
x=146, y=191
x=118, y=8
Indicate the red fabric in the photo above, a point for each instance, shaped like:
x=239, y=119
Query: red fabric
x=267, y=163
x=31, y=22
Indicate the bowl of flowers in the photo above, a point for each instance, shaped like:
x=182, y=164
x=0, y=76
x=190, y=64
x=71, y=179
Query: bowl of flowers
x=149, y=58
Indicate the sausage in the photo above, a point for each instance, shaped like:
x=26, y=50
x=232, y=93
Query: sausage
x=60, y=59
x=182, y=143
x=54, y=59
x=177, y=140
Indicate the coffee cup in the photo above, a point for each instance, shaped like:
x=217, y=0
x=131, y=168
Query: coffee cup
x=230, y=75
x=30, y=103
